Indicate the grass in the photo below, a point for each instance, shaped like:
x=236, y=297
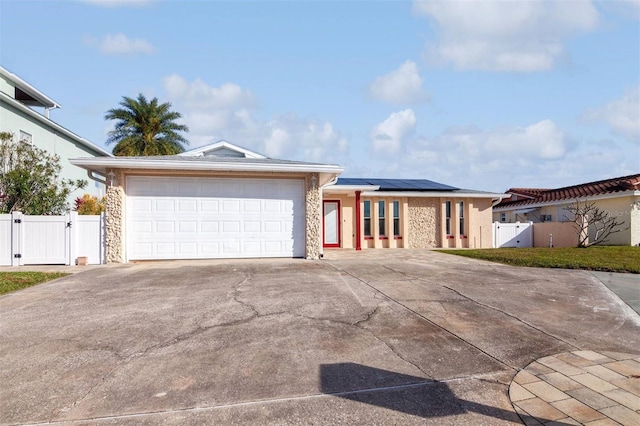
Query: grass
x=594, y=258
x=12, y=281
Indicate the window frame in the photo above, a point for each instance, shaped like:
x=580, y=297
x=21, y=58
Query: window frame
x=366, y=215
x=396, y=218
x=461, y=218
x=382, y=219
x=25, y=137
x=447, y=215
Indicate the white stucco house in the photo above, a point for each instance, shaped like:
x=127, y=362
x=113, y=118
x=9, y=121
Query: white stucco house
x=25, y=111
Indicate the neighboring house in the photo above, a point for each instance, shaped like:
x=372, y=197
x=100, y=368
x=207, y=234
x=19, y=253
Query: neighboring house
x=405, y=213
x=24, y=111
x=223, y=201
x=619, y=196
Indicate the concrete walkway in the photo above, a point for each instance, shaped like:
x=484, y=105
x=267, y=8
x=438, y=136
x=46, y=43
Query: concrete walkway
x=579, y=387
x=625, y=286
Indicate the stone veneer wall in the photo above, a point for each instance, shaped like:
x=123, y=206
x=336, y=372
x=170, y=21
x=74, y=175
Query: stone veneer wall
x=114, y=217
x=423, y=223
x=313, y=219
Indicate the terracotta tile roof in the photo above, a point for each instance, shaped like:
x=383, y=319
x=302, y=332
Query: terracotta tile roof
x=590, y=189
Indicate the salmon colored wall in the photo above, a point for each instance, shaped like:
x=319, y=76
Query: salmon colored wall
x=561, y=234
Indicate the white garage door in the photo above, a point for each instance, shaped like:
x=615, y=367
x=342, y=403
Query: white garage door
x=199, y=218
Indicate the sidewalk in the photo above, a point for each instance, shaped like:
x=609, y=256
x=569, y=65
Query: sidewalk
x=625, y=286
x=579, y=388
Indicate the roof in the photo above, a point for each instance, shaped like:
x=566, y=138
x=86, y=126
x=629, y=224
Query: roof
x=222, y=149
x=396, y=184
x=584, y=190
x=206, y=163
x=26, y=93
x=404, y=188
x=527, y=192
x=50, y=123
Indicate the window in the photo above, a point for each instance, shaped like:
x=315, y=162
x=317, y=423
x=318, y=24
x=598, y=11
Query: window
x=447, y=224
x=381, y=219
x=461, y=208
x=503, y=217
x=396, y=218
x=367, y=218
x=25, y=137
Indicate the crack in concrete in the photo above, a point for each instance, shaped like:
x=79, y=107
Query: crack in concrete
x=510, y=316
x=180, y=338
x=57, y=412
x=205, y=408
x=459, y=293
x=424, y=318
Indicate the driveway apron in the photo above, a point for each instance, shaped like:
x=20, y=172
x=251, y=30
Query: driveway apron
x=387, y=337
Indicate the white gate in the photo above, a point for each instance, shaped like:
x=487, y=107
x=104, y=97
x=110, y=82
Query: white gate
x=50, y=240
x=519, y=234
x=45, y=240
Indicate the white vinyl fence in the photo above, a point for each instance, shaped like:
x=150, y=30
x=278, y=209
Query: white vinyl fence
x=519, y=234
x=50, y=240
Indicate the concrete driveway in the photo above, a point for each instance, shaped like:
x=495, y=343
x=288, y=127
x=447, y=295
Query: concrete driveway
x=384, y=337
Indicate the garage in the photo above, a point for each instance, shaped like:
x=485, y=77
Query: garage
x=202, y=217
x=216, y=201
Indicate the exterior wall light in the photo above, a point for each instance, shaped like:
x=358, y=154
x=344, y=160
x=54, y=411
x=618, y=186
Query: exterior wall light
x=112, y=178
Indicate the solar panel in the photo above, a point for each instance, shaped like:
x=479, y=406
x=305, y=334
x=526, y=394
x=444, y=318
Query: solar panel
x=398, y=184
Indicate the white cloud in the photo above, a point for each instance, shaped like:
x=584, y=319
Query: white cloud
x=542, y=140
x=293, y=137
x=487, y=159
x=198, y=94
x=389, y=135
x=227, y=112
x=494, y=35
x=120, y=44
x=118, y=3
x=400, y=86
x=622, y=115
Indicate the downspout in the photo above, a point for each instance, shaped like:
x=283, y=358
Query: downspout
x=495, y=202
x=358, y=231
x=101, y=180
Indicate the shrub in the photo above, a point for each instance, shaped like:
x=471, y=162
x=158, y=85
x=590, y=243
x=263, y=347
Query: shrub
x=89, y=204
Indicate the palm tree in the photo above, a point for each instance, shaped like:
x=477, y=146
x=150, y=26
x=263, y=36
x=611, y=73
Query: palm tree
x=145, y=128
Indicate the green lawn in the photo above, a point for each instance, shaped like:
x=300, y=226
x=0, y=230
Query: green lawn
x=12, y=281
x=594, y=258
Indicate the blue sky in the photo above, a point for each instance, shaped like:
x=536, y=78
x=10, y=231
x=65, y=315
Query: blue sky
x=478, y=94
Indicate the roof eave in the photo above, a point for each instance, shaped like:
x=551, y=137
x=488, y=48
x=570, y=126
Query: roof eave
x=433, y=194
x=48, y=122
x=46, y=101
x=102, y=164
x=342, y=189
x=632, y=193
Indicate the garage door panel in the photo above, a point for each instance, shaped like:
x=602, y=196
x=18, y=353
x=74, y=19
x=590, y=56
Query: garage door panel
x=188, y=227
x=209, y=226
x=193, y=218
x=188, y=206
x=211, y=206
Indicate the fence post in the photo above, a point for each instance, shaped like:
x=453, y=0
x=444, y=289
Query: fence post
x=103, y=241
x=72, y=234
x=16, y=239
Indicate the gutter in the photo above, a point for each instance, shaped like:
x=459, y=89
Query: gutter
x=93, y=176
x=47, y=102
x=431, y=194
x=99, y=164
x=630, y=193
